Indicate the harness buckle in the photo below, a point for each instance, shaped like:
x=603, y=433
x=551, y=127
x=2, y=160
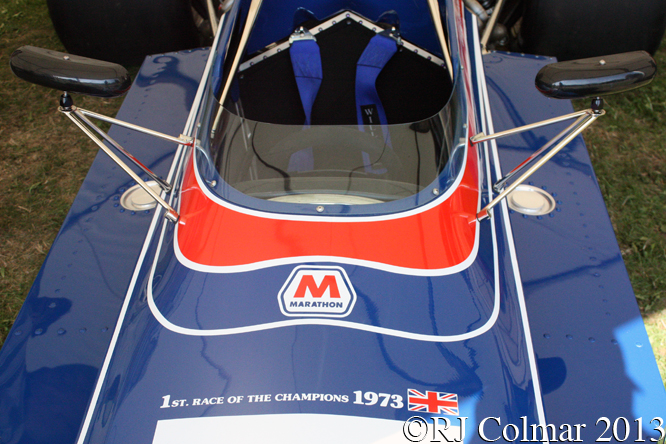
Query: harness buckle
x=301, y=34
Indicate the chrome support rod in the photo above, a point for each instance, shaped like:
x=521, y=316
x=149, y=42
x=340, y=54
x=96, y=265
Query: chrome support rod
x=212, y=16
x=499, y=185
x=490, y=25
x=481, y=137
x=183, y=139
x=251, y=17
x=171, y=214
x=437, y=18
x=166, y=186
x=580, y=125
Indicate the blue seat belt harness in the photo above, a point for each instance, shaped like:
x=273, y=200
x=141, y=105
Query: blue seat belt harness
x=306, y=61
x=380, y=50
x=369, y=109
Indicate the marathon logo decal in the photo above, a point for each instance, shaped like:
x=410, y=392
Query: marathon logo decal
x=317, y=291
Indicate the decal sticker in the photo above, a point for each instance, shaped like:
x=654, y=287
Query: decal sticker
x=317, y=291
x=433, y=402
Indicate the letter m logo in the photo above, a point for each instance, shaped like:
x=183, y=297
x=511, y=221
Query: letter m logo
x=306, y=283
x=317, y=291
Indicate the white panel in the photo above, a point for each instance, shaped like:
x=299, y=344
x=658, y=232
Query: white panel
x=277, y=429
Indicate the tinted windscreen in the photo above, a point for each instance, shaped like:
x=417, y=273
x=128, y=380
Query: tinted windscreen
x=385, y=163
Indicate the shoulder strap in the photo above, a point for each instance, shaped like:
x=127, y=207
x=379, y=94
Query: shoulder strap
x=369, y=110
x=306, y=62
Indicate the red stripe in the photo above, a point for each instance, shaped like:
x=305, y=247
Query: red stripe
x=441, y=237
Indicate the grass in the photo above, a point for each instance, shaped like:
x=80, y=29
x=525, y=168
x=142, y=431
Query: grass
x=43, y=161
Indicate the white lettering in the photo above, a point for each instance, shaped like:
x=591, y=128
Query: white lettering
x=483, y=423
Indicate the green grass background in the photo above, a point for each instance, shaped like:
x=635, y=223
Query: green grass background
x=43, y=160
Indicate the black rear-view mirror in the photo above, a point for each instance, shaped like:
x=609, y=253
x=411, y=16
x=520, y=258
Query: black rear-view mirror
x=596, y=76
x=71, y=73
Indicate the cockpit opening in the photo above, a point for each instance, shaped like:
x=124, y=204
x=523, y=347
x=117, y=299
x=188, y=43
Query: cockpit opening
x=339, y=110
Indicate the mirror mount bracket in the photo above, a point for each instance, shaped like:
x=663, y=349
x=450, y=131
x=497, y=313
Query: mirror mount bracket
x=66, y=101
x=583, y=120
x=597, y=105
x=78, y=116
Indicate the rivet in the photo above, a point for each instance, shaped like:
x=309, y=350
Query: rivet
x=66, y=57
x=435, y=191
x=320, y=209
x=639, y=344
x=569, y=337
x=602, y=62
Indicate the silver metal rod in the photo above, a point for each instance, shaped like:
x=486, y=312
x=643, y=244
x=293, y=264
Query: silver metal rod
x=212, y=16
x=499, y=185
x=437, y=18
x=170, y=212
x=581, y=124
x=183, y=140
x=491, y=24
x=481, y=137
x=166, y=186
x=251, y=16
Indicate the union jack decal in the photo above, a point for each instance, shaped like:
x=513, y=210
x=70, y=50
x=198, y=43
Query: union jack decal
x=433, y=402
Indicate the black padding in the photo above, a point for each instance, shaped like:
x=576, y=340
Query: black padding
x=411, y=88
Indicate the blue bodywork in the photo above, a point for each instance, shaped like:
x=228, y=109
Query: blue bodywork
x=585, y=334
x=592, y=348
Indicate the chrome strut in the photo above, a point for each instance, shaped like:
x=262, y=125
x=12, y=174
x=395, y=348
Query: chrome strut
x=78, y=116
